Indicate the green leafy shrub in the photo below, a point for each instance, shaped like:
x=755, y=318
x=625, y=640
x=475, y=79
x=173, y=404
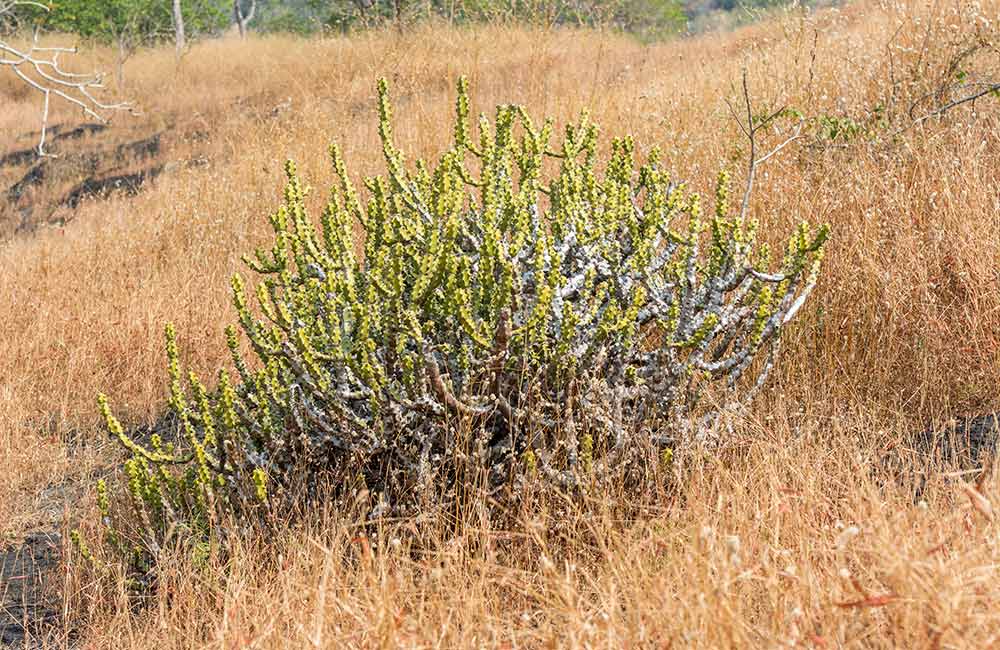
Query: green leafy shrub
x=499, y=321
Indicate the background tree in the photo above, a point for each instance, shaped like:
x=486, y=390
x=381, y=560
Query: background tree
x=178, y=17
x=291, y=16
x=645, y=18
x=243, y=16
x=133, y=23
x=127, y=24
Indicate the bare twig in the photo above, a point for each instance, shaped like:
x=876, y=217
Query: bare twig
x=987, y=89
x=750, y=131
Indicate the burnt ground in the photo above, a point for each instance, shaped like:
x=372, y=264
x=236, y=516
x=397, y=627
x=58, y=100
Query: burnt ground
x=57, y=133
x=967, y=442
x=964, y=448
x=88, y=161
x=31, y=567
x=92, y=161
x=28, y=604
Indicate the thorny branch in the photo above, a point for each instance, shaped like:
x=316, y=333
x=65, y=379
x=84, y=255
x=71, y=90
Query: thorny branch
x=985, y=89
x=40, y=68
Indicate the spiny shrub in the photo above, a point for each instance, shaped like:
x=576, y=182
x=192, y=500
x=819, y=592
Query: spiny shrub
x=519, y=312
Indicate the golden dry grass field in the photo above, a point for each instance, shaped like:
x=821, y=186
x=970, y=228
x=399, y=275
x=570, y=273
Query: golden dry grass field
x=789, y=539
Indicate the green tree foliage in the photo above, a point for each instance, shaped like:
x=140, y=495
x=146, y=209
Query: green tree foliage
x=649, y=18
x=292, y=16
x=141, y=20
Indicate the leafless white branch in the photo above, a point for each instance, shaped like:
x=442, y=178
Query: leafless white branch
x=39, y=67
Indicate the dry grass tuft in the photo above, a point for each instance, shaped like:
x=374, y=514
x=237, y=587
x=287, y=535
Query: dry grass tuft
x=788, y=540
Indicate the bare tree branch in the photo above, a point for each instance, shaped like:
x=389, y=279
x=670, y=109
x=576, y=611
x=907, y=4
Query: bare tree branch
x=39, y=67
x=750, y=130
x=987, y=88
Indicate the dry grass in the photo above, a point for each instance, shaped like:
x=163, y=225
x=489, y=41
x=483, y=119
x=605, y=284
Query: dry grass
x=903, y=330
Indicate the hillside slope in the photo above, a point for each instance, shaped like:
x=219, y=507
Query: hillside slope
x=785, y=540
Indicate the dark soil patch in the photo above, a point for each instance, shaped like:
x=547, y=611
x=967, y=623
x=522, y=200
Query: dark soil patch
x=969, y=442
x=34, y=176
x=98, y=188
x=56, y=135
x=85, y=162
x=27, y=609
x=53, y=184
x=80, y=131
x=16, y=158
x=967, y=445
x=140, y=149
x=63, y=131
x=167, y=427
